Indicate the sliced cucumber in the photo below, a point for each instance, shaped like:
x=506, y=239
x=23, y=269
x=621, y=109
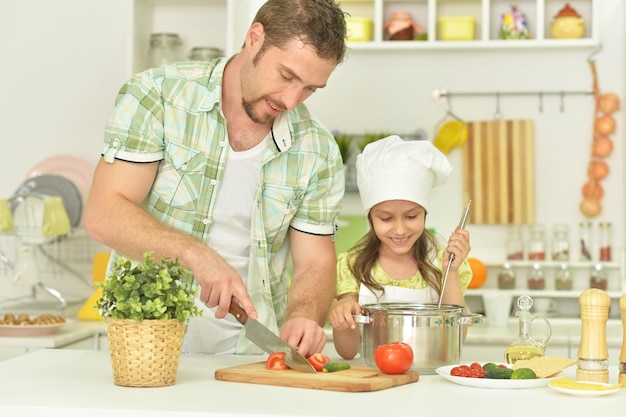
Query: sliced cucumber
x=336, y=366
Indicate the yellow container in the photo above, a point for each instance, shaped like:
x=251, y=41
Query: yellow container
x=457, y=28
x=360, y=29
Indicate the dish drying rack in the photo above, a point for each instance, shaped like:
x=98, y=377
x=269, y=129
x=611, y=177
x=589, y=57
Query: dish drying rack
x=70, y=255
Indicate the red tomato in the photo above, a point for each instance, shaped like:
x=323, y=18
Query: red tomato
x=394, y=358
x=276, y=361
x=318, y=360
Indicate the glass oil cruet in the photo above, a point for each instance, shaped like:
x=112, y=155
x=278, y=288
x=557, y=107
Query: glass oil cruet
x=525, y=346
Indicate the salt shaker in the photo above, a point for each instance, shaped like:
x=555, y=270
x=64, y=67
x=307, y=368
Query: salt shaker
x=593, y=353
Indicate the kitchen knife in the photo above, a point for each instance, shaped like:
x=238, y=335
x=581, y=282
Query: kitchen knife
x=268, y=341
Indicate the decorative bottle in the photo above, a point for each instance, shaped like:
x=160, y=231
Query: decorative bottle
x=525, y=346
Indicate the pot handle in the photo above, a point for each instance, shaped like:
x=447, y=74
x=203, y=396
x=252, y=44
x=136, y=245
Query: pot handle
x=471, y=319
x=362, y=319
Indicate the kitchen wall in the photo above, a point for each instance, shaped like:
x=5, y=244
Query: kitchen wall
x=391, y=91
x=64, y=60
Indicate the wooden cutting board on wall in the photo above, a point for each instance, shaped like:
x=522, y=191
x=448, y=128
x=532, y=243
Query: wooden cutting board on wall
x=499, y=171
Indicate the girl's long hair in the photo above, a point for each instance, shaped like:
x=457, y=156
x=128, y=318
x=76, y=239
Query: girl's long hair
x=364, y=255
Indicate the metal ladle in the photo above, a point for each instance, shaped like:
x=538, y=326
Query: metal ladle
x=451, y=258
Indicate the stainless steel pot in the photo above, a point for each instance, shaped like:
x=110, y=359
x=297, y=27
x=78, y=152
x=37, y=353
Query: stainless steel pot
x=434, y=333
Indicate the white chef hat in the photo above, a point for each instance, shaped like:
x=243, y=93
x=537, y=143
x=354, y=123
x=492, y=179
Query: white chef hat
x=394, y=169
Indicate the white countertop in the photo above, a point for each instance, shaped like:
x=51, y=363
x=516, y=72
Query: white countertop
x=80, y=383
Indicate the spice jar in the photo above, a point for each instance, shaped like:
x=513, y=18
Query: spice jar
x=598, y=278
x=604, y=241
x=514, y=244
x=584, y=231
x=537, y=243
x=560, y=243
x=506, y=277
x=165, y=48
x=536, y=279
x=563, y=278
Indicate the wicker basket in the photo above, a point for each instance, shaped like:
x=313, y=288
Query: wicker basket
x=146, y=353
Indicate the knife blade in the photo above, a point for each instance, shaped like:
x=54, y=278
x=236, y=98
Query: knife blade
x=264, y=338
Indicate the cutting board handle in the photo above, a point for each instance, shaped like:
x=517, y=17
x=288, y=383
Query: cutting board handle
x=237, y=311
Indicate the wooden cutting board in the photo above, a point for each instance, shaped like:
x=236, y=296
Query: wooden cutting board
x=499, y=172
x=355, y=379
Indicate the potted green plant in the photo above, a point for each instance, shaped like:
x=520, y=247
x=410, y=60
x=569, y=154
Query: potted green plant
x=146, y=307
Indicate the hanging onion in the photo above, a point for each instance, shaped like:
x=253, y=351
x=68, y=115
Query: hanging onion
x=602, y=147
x=608, y=103
x=605, y=125
x=593, y=190
x=590, y=207
x=598, y=170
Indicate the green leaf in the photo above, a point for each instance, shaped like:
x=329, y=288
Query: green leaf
x=148, y=291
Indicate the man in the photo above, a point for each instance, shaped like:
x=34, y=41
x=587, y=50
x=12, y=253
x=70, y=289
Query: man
x=220, y=165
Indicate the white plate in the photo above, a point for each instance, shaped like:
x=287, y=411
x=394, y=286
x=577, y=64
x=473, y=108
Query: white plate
x=444, y=371
x=12, y=330
x=588, y=393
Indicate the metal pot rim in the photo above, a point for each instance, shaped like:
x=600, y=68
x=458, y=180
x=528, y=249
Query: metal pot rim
x=412, y=308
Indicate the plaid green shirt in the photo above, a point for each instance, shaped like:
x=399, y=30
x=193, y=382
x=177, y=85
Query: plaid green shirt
x=172, y=114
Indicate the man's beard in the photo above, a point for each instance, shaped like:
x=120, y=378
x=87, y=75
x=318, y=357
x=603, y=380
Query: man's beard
x=248, y=106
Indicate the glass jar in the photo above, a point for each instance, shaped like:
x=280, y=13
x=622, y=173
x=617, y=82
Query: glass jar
x=598, y=278
x=537, y=243
x=205, y=53
x=536, y=279
x=165, y=48
x=560, y=243
x=514, y=244
x=563, y=278
x=584, y=231
x=605, y=241
x=506, y=277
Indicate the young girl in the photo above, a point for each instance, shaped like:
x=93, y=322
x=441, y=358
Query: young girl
x=398, y=260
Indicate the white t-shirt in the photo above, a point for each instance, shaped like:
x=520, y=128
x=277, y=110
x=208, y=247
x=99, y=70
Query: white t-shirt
x=230, y=238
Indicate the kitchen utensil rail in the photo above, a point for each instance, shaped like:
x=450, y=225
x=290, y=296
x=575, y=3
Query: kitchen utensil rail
x=442, y=95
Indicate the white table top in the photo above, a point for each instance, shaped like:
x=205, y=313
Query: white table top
x=80, y=383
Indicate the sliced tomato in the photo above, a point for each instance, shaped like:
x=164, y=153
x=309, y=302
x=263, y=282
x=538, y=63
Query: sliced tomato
x=276, y=361
x=318, y=360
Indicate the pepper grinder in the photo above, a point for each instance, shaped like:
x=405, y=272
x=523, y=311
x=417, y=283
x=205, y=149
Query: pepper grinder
x=593, y=353
x=622, y=356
